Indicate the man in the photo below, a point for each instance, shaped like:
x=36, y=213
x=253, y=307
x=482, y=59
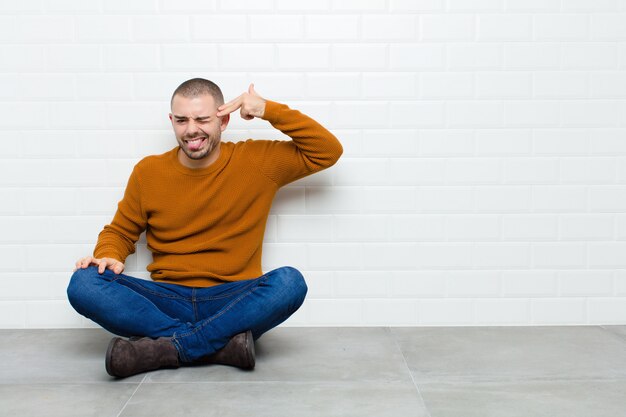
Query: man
x=204, y=206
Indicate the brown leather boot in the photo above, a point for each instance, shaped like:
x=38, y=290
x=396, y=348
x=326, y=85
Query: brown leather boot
x=125, y=357
x=239, y=352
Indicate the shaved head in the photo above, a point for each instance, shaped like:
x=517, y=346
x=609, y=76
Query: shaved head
x=197, y=87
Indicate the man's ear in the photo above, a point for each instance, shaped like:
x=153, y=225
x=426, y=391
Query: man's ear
x=170, y=116
x=224, y=122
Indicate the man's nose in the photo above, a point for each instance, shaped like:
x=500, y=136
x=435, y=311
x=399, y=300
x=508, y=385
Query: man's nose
x=192, y=127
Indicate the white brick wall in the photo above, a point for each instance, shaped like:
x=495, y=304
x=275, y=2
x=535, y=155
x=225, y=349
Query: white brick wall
x=483, y=180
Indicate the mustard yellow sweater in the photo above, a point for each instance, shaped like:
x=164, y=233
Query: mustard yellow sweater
x=205, y=226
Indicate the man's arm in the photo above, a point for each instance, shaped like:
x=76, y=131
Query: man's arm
x=312, y=148
x=117, y=240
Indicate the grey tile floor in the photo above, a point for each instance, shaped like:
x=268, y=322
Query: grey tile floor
x=373, y=371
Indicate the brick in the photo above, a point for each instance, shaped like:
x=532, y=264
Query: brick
x=415, y=171
x=603, y=113
x=361, y=171
x=416, y=227
x=438, y=85
x=298, y=228
x=533, y=227
x=590, y=56
x=389, y=27
x=131, y=57
x=389, y=85
x=503, y=142
x=359, y=284
x=389, y=142
x=531, y=56
x=333, y=85
x=556, y=311
x=475, y=5
x=44, y=29
x=446, y=142
x=414, y=56
x=504, y=312
x=443, y=255
x=531, y=171
x=444, y=199
x=219, y=27
x=560, y=84
x=561, y=26
x=474, y=113
x=532, y=113
x=160, y=28
x=359, y=57
x=389, y=256
x=417, y=113
x=288, y=27
x=472, y=228
x=416, y=5
x=332, y=28
x=435, y=27
x=529, y=283
x=441, y=312
x=471, y=284
x=350, y=114
x=503, y=85
x=559, y=198
x=588, y=170
x=359, y=228
x=390, y=312
x=103, y=28
x=504, y=27
x=473, y=171
x=471, y=56
x=498, y=199
x=501, y=255
x=336, y=256
x=361, y=6
x=305, y=57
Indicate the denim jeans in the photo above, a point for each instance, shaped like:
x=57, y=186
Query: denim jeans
x=200, y=321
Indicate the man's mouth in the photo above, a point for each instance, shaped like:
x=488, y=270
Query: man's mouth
x=195, y=143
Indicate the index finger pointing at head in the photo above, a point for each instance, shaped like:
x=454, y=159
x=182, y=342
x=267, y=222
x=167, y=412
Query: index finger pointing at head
x=229, y=107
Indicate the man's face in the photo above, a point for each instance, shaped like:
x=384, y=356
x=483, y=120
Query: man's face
x=194, y=118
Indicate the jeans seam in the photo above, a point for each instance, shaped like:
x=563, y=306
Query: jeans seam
x=231, y=293
x=210, y=319
x=150, y=291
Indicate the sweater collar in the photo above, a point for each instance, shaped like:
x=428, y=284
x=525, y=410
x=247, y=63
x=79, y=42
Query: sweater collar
x=225, y=152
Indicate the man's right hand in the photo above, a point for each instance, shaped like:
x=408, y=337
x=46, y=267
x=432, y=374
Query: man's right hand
x=103, y=263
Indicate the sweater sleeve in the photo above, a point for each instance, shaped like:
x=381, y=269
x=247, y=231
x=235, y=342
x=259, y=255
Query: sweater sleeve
x=312, y=148
x=117, y=240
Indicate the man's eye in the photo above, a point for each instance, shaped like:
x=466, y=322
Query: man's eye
x=180, y=121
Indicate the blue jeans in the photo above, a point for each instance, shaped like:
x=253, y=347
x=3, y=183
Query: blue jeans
x=200, y=321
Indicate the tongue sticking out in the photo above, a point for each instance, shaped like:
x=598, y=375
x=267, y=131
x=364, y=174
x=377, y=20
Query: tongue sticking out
x=195, y=145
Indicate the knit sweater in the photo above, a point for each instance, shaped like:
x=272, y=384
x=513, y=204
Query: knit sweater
x=205, y=226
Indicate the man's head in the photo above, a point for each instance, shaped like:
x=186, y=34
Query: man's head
x=194, y=105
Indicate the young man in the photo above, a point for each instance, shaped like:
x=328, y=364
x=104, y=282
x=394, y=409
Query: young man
x=204, y=206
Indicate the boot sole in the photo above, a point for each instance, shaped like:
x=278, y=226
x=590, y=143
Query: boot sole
x=250, y=350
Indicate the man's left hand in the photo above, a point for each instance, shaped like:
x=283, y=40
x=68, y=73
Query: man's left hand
x=251, y=103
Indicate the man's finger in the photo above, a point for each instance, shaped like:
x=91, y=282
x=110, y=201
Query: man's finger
x=227, y=109
x=230, y=103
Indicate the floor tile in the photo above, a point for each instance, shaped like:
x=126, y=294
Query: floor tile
x=309, y=355
x=276, y=399
x=55, y=355
x=576, y=398
x=618, y=330
x=501, y=353
x=64, y=400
